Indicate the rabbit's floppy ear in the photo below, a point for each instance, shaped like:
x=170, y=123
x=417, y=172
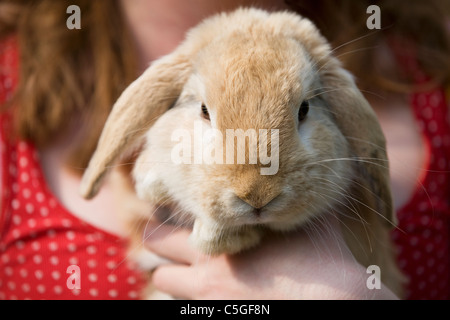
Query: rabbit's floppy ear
x=135, y=111
x=147, y=98
x=359, y=124
x=355, y=118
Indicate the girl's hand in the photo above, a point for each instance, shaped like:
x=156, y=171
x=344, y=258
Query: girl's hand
x=313, y=264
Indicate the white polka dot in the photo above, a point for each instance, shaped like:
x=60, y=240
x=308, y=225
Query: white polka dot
x=421, y=100
x=111, y=251
x=20, y=244
x=437, y=141
x=91, y=250
x=37, y=259
x=432, y=126
x=410, y=227
x=11, y=285
x=32, y=223
x=131, y=280
x=92, y=277
x=39, y=274
x=413, y=241
x=112, y=278
x=70, y=235
x=66, y=223
x=26, y=287
x=36, y=246
x=12, y=170
x=422, y=285
x=23, y=162
x=54, y=260
x=41, y=288
x=92, y=263
x=57, y=289
x=432, y=186
x=23, y=273
x=5, y=258
x=110, y=264
x=9, y=271
x=26, y=193
x=29, y=208
x=112, y=293
x=15, y=204
x=40, y=197
x=53, y=246
x=24, y=177
x=429, y=247
x=133, y=294
x=420, y=270
x=423, y=206
x=44, y=211
x=16, y=233
x=72, y=247
x=56, y=275
x=73, y=260
x=22, y=146
x=21, y=258
x=431, y=262
x=416, y=255
x=16, y=220
x=76, y=292
x=435, y=100
x=93, y=292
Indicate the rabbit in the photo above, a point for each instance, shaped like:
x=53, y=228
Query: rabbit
x=251, y=70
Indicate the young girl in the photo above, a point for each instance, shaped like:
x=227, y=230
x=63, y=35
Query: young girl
x=57, y=87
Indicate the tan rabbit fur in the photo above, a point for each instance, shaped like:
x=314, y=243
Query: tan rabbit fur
x=253, y=70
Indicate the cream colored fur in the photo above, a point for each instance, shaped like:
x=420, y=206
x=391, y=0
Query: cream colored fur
x=253, y=69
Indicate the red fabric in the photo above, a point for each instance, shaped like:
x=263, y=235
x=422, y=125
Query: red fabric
x=423, y=234
x=39, y=238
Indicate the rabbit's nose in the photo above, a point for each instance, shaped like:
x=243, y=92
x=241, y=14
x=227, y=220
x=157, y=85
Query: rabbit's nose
x=257, y=201
x=255, y=189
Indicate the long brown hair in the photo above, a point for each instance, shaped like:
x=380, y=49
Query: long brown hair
x=78, y=74
x=69, y=79
x=422, y=23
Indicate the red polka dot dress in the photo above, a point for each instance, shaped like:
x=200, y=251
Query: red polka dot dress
x=422, y=237
x=423, y=234
x=46, y=252
x=42, y=244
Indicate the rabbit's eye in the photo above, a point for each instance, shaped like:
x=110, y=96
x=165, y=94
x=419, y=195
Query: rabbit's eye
x=303, y=111
x=205, y=112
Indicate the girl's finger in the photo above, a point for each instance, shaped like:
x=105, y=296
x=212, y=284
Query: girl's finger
x=171, y=242
x=175, y=280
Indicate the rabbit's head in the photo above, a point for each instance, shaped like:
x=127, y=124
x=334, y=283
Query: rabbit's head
x=249, y=124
